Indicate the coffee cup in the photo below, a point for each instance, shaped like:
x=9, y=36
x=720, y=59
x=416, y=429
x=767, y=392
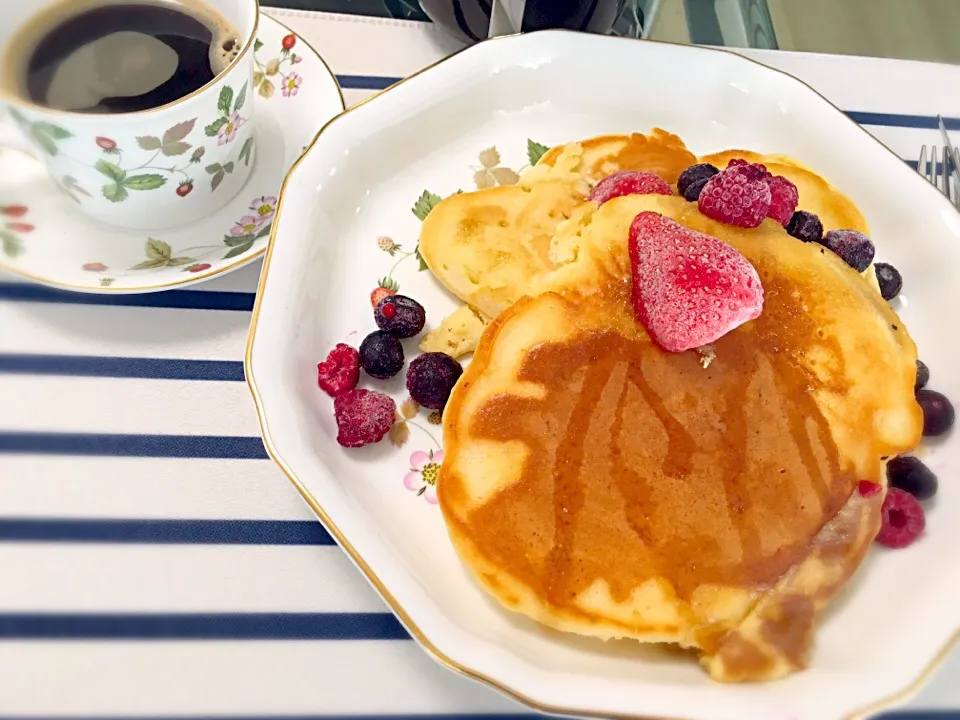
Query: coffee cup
x=79, y=84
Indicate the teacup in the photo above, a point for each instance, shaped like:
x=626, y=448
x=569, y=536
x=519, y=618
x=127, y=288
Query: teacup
x=166, y=166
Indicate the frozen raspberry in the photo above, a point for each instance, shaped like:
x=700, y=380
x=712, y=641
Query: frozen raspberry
x=340, y=372
x=853, y=247
x=363, y=417
x=902, y=519
x=889, y=280
x=691, y=181
x=689, y=288
x=629, y=182
x=431, y=377
x=740, y=195
x=381, y=355
x=740, y=161
x=805, y=226
x=400, y=316
x=783, y=199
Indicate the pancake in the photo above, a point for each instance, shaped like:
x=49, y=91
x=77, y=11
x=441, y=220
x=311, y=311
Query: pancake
x=604, y=487
x=486, y=247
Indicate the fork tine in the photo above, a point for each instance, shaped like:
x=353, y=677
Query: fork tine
x=922, y=162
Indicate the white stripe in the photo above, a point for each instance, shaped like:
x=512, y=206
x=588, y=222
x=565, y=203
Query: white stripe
x=242, y=678
x=154, y=578
x=77, y=487
x=109, y=405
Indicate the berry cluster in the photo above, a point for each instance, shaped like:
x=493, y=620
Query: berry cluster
x=366, y=416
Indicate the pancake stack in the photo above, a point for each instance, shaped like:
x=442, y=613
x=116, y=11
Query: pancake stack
x=605, y=487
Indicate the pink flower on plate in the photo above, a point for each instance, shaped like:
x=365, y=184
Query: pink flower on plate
x=264, y=206
x=424, y=471
x=246, y=225
x=228, y=131
x=291, y=84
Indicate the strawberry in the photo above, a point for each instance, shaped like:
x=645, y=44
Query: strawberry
x=385, y=288
x=13, y=210
x=689, y=289
x=629, y=182
x=185, y=188
x=288, y=41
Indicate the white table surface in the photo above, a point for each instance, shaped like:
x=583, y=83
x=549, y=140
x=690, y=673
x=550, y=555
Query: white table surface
x=153, y=562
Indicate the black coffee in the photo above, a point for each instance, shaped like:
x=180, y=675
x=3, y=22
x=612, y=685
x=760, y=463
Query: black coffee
x=120, y=57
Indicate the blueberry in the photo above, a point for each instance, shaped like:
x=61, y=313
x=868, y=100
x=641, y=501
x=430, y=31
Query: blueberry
x=381, y=355
x=692, y=180
x=908, y=473
x=431, y=377
x=938, y=414
x=853, y=247
x=923, y=376
x=400, y=316
x=889, y=279
x=805, y=226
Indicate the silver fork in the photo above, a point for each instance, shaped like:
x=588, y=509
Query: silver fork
x=950, y=151
x=936, y=168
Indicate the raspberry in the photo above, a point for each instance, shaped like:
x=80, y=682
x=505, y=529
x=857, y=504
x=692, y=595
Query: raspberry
x=689, y=288
x=805, y=226
x=853, y=247
x=740, y=195
x=783, y=199
x=431, y=377
x=340, y=372
x=400, y=316
x=740, y=162
x=902, y=519
x=691, y=181
x=889, y=280
x=629, y=182
x=381, y=355
x=363, y=417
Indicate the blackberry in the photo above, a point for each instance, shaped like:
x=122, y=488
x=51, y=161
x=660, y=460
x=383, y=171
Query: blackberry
x=431, y=377
x=805, y=226
x=908, y=473
x=923, y=376
x=692, y=180
x=851, y=246
x=889, y=280
x=381, y=355
x=400, y=316
x=938, y=413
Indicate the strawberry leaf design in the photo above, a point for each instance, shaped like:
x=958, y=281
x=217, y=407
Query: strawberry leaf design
x=264, y=231
x=54, y=131
x=176, y=261
x=238, y=250
x=245, y=151
x=149, y=142
x=217, y=178
x=241, y=98
x=112, y=171
x=235, y=240
x=535, y=151
x=179, y=131
x=228, y=167
x=115, y=192
x=149, y=181
x=175, y=148
x=213, y=128
x=425, y=203
x=10, y=244
x=149, y=265
x=225, y=100
x=257, y=44
x=158, y=249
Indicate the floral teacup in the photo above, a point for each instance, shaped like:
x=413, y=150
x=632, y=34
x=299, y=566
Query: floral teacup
x=157, y=168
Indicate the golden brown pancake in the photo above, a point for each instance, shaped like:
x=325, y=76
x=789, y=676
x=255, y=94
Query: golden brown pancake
x=605, y=487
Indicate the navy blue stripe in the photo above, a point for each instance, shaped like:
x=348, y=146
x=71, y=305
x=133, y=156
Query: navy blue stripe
x=924, y=122
x=231, y=447
x=165, y=532
x=121, y=367
x=366, y=82
x=201, y=626
x=182, y=299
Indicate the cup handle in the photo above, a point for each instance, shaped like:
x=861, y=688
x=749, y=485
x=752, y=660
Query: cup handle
x=12, y=138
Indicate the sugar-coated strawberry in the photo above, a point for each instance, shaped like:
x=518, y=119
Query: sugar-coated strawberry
x=629, y=182
x=689, y=289
x=363, y=417
x=783, y=199
x=340, y=372
x=739, y=195
x=901, y=519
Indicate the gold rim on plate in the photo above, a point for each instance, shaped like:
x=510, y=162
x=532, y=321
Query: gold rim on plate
x=439, y=656
x=213, y=272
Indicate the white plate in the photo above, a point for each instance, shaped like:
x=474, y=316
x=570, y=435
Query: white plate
x=358, y=183
x=43, y=236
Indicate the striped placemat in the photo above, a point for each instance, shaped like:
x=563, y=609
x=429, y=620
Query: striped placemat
x=154, y=562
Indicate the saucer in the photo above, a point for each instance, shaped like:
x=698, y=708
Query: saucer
x=44, y=236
